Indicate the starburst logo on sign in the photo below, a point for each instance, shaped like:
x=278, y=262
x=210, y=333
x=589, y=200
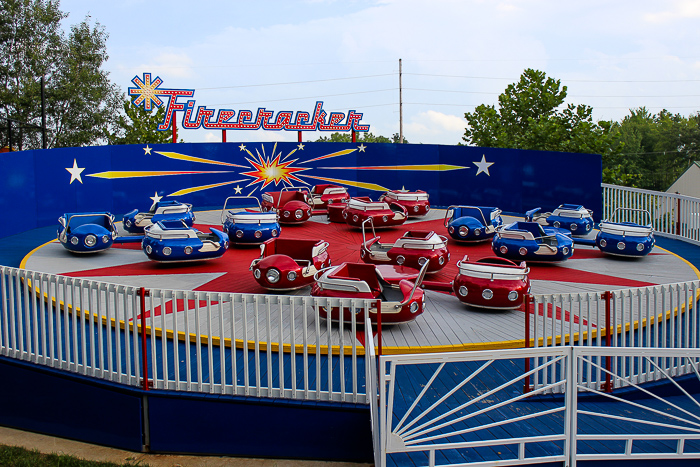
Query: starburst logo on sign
x=263, y=170
x=268, y=170
x=146, y=91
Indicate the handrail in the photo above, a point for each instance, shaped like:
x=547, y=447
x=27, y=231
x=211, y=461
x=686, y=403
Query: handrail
x=97, y=329
x=223, y=210
x=416, y=285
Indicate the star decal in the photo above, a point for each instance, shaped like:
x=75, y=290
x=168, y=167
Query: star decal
x=362, y=147
x=238, y=189
x=242, y=147
x=156, y=198
x=300, y=146
x=75, y=172
x=147, y=150
x=483, y=166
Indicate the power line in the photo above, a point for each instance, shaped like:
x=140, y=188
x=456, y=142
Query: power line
x=296, y=82
x=256, y=65
x=568, y=95
x=594, y=108
x=567, y=80
x=551, y=59
x=309, y=97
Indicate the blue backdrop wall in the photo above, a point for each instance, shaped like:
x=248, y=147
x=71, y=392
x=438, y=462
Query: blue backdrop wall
x=36, y=187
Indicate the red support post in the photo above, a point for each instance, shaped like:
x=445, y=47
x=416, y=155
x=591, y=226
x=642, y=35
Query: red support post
x=174, y=128
x=299, y=138
x=607, y=296
x=354, y=136
x=526, y=304
x=379, y=327
x=223, y=136
x=144, y=348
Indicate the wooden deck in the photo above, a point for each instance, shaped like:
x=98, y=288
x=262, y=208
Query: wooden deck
x=446, y=323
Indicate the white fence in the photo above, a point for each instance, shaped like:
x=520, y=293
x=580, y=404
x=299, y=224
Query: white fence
x=661, y=316
x=216, y=343
x=674, y=215
x=528, y=406
x=483, y=417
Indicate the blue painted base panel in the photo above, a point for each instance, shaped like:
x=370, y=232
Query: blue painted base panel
x=47, y=401
x=252, y=427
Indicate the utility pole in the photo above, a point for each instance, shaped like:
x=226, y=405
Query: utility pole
x=43, y=116
x=400, y=107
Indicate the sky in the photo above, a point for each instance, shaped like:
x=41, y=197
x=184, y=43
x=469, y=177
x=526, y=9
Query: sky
x=455, y=54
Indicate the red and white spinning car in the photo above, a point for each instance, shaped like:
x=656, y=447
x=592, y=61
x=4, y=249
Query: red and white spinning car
x=292, y=204
x=415, y=202
x=289, y=264
x=382, y=213
x=492, y=282
x=414, y=249
x=321, y=196
x=397, y=287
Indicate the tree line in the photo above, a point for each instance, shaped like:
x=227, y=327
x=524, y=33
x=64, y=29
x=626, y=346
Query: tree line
x=642, y=150
x=83, y=107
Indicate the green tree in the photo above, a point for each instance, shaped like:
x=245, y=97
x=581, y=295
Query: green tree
x=657, y=148
x=365, y=137
x=81, y=102
x=529, y=116
x=139, y=126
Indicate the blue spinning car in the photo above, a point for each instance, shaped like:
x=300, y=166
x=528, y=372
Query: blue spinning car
x=135, y=221
x=628, y=232
x=175, y=241
x=530, y=241
x=249, y=226
x=472, y=223
x=87, y=232
x=573, y=217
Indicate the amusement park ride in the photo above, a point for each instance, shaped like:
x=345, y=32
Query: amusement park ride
x=393, y=272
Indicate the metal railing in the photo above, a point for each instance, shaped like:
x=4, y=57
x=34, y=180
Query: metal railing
x=674, y=215
x=429, y=421
x=207, y=342
x=661, y=316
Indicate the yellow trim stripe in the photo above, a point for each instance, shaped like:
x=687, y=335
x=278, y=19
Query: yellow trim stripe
x=335, y=154
x=23, y=263
x=368, y=186
x=183, y=157
x=186, y=191
x=335, y=350
x=418, y=168
x=695, y=270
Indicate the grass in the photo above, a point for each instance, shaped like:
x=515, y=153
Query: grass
x=12, y=456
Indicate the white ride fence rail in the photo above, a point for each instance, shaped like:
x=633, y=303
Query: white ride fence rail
x=483, y=417
x=582, y=342
x=660, y=316
x=207, y=342
x=674, y=215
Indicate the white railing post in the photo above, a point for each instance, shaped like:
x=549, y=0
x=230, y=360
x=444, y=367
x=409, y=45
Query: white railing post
x=570, y=414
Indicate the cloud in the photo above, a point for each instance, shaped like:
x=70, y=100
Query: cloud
x=678, y=10
x=210, y=137
x=432, y=121
x=167, y=64
x=456, y=55
x=435, y=128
